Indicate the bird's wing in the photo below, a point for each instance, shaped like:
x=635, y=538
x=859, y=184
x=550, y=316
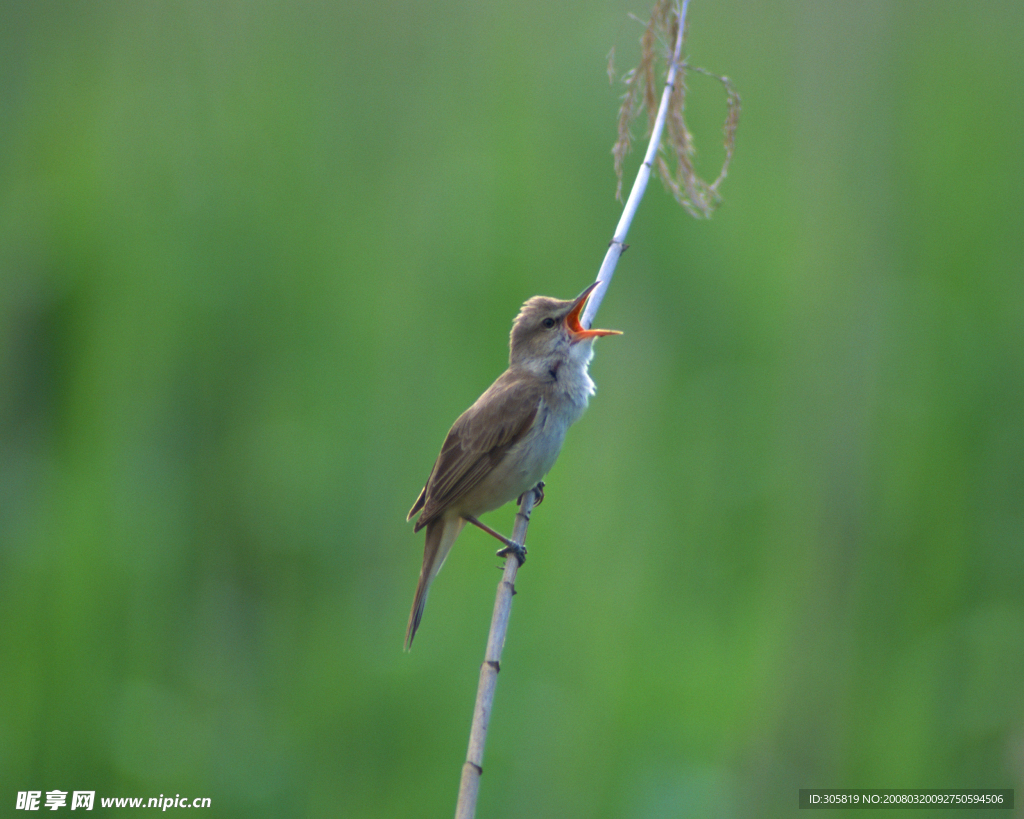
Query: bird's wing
x=477, y=441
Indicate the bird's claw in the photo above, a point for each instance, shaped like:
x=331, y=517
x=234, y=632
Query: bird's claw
x=538, y=494
x=515, y=549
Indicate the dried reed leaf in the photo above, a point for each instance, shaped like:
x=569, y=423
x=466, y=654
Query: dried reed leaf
x=691, y=191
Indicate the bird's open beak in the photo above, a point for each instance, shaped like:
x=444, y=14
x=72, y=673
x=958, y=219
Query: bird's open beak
x=572, y=320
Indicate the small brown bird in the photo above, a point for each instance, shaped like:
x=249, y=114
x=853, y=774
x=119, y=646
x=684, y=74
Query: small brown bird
x=508, y=440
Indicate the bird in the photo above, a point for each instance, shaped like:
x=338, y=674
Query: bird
x=509, y=438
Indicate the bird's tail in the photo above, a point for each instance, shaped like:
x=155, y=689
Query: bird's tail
x=441, y=534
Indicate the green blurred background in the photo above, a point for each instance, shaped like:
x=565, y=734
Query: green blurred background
x=256, y=257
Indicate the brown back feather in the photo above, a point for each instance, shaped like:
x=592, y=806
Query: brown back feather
x=478, y=440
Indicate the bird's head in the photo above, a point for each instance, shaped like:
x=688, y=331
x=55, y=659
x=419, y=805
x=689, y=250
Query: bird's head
x=548, y=331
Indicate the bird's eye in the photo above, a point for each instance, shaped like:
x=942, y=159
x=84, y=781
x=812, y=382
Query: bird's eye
x=548, y=322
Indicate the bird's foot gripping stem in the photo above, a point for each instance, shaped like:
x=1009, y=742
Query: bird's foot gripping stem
x=517, y=550
x=511, y=547
x=538, y=494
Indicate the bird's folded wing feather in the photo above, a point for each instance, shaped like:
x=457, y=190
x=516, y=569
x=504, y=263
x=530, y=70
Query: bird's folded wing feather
x=477, y=441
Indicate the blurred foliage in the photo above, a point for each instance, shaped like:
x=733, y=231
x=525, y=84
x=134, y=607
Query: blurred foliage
x=256, y=257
